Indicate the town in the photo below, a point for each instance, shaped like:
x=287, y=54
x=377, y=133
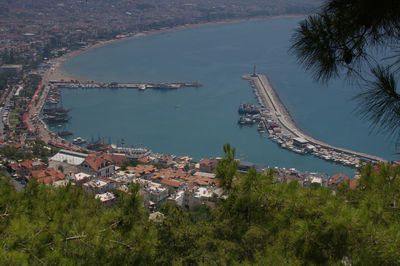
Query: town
x=162, y=178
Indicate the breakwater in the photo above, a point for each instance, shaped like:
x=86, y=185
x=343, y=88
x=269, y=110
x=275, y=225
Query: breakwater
x=121, y=85
x=275, y=115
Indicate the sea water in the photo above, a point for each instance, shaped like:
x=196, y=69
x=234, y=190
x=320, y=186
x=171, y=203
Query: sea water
x=198, y=121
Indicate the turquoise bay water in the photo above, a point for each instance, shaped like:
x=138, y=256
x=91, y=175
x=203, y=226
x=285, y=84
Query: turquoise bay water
x=198, y=121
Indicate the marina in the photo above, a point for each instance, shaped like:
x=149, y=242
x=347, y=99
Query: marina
x=274, y=117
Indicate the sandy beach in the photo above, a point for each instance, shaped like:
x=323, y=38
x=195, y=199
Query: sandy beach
x=59, y=74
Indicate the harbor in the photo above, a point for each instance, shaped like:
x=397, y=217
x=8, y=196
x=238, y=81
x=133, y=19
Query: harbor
x=272, y=117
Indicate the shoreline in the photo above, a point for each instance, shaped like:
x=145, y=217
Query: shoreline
x=58, y=75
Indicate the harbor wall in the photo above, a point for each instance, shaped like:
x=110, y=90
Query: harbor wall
x=270, y=98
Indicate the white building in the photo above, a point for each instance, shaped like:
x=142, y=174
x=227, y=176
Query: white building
x=108, y=198
x=69, y=160
x=177, y=198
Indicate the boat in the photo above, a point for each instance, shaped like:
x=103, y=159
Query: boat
x=142, y=87
x=55, y=119
x=261, y=127
x=95, y=145
x=79, y=140
x=65, y=133
x=246, y=108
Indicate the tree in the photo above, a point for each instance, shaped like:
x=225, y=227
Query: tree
x=344, y=38
x=226, y=169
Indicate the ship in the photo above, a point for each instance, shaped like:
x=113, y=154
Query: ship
x=65, y=133
x=246, y=108
x=94, y=145
x=261, y=127
x=56, y=119
x=54, y=111
x=142, y=87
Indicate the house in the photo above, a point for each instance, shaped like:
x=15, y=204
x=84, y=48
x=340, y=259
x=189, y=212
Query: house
x=117, y=158
x=337, y=179
x=26, y=167
x=97, y=165
x=99, y=185
x=207, y=165
x=196, y=195
x=108, y=199
x=155, y=192
x=171, y=184
x=177, y=198
x=81, y=178
x=142, y=170
x=47, y=176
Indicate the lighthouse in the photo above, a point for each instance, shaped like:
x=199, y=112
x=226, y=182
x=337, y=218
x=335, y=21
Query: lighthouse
x=254, y=72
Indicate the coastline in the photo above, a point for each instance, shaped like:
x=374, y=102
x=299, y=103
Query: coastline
x=58, y=73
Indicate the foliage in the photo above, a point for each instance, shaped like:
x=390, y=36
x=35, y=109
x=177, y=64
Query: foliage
x=31, y=83
x=353, y=36
x=129, y=162
x=41, y=150
x=226, y=169
x=15, y=154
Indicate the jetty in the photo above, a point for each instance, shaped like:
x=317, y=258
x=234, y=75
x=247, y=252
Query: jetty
x=299, y=141
x=122, y=85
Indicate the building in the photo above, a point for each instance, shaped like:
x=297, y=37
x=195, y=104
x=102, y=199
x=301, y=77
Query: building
x=68, y=160
x=80, y=178
x=142, y=170
x=10, y=69
x=97, y=166
x=155, y=192
x=108, y=199
x=25, y=168
x=47, y=176
x=207, y=165
x=98, y=186
x=337, y=179
x=196, y=196
x=171, y=184
x=177, y=198
x=300, y=142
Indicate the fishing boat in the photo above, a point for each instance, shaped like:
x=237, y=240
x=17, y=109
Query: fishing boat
x=65, y=133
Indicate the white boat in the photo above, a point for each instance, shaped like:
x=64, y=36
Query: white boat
x=142, y=87
x=79, y=140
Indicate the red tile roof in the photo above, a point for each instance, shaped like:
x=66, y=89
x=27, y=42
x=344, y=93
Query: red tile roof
x=338, y=178
x=171, y=183
x=95, y=161
x=31, y=164
x=206, y=162
x=47, y=176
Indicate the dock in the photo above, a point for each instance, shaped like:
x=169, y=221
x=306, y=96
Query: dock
x=123, y=85
x=270, y=99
